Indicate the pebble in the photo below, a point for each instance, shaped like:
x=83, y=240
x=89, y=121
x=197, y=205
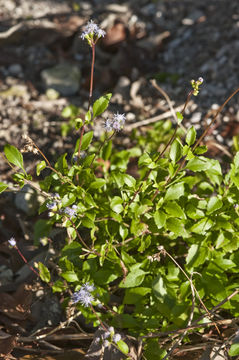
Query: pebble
x=15, y=69
x=64, y=78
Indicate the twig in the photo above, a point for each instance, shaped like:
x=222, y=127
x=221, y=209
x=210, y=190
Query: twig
x=6, y=34
x=185, y=274
x=170, y=104
x=192, y=327
x=153, y=119
x=179, y=341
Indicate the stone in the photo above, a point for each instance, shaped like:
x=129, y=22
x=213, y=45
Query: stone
x=28, y=200
x=64, y=78
x=15, y=69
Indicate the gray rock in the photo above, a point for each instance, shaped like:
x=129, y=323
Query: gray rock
x=63, y=78
x=15, y=69
x=6, y=275
x=28, y=200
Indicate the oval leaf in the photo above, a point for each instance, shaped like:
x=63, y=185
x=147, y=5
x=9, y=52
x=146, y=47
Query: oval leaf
x=2, y=187
x=14, y=156
x=101, y=105
x=86, y=140
x=175, y=151
x=191, y=136
x=44, y=272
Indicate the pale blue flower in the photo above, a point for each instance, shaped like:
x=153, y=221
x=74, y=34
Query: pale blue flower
x=51, y=205
x=83, y=295
x=92, y=29
x=116, y=338
x=108, y=125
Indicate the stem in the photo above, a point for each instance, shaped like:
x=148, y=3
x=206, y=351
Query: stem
x=25, y=261
x=206, y=130
x=90, y=95
x=103, y=143
x=195, y=290
x=166, y=146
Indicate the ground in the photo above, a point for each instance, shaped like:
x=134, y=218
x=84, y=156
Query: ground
x=170, y=41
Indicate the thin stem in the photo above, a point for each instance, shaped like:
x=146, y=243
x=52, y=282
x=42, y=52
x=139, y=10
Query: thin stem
x=101, y=323
x=206, y=130
x=90, y=95
x=196, y=292
x=25, y=261
x=103, y=143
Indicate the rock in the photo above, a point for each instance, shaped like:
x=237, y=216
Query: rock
x=28, y=200
x=63, y=78
x=6, y=275
x=16, y=91
x=15, y=69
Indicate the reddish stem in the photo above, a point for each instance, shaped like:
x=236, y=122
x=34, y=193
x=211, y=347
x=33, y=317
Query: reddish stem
x=90, y=95
x=25, y=261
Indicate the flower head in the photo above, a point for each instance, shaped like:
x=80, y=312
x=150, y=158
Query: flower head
x=83, y=295
x=70, y=211
x=116, y=338
x=116, y=123
x=12, y=241
x=108, y=125
x=88, y=287
x=51, y=205
x=92, y=32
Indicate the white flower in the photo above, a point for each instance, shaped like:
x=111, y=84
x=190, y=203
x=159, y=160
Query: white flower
x=12, y=241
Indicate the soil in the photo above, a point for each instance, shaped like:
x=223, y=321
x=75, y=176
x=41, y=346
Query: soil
x=172, y=41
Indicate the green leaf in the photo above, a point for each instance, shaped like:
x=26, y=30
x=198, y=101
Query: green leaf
x=107, y=149
x=214, y=204
x=104, y=276
x=133, y=279
x=173, y=209
x=3, y=187
x=58, y=286
x=159, y=219
x=134, y=295
x=14, y=156
x=69, y=111
x=97, y=184
x=88, y=117
x=179, y=117
x=200, y=149
x=116, y=204
x=70, y=276
x=234, y=350
x=86, y=140
x=129, y=180
x=191, y=136
x=44, y=272
x=176, y=226
x=175, y=151
x=123, y=347
x=198, y=164
x=61, y=164
x=40, y=166
x=202, y=226
x=101, y=105
x=175, y=191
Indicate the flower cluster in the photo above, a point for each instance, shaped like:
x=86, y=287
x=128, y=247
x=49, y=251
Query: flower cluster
x=84, y=295
x=116, y=123
x=110, y=336
x=92, y=32
x=70, y=211
x=196, y=84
